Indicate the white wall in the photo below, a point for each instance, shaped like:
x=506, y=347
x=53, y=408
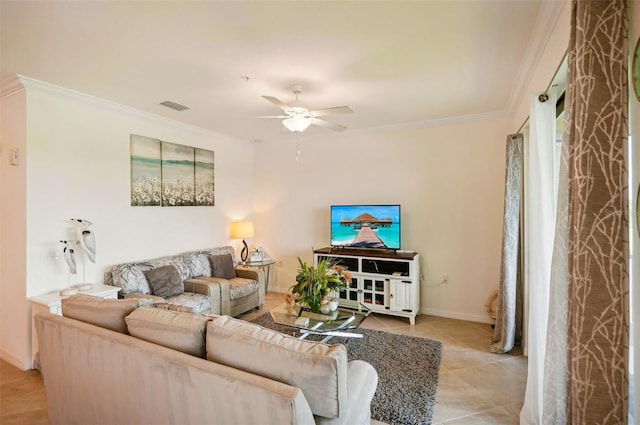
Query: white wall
x=545, y=68
x=448, y=180
x=14, y=312
x=78, y=165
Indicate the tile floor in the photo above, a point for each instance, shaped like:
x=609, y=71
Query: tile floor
x=475, y=386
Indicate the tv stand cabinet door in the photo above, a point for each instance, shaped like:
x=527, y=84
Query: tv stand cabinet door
x=400, y=298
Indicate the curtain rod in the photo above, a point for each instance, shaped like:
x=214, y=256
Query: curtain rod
x=544, y=96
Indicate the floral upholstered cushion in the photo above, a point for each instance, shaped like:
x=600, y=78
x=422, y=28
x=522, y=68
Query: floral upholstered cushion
x=165, y=281
x=173, y=307
x=198, y=263
x=241, y=287
x=197, y=302
x=130, y=276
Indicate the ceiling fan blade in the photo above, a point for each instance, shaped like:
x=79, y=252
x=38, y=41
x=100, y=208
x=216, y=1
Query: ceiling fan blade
x=274, y=116
x=328, y=124
x=277, y=102
x=329, y=111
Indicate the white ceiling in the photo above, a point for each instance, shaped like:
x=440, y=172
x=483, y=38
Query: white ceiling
x=395, y=63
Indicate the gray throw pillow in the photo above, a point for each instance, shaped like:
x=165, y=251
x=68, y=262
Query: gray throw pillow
x=222, y=266
x=165, y=281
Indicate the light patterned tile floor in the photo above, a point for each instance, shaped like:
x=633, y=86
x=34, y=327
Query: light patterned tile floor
x=475, y=386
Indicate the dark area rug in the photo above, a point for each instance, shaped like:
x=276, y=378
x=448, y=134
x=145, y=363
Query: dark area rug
x=407, y=371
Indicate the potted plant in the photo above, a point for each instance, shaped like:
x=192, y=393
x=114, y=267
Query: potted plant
x=313, y=284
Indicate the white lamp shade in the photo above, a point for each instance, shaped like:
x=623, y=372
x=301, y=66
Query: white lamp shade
x=297, y=123
x=241, y=229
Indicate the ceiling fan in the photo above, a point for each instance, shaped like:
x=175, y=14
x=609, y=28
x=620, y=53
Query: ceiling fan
x=298, y=118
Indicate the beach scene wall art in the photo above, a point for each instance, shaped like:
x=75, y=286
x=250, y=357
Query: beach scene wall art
x=170, y=175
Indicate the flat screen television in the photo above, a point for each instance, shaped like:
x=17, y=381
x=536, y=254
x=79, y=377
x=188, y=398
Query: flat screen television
x=365, y=226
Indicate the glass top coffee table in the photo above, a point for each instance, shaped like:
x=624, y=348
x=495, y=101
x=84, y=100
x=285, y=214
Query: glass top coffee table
x=350, y=315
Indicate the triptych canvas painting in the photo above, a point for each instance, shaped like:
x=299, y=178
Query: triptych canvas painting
x=167, y=174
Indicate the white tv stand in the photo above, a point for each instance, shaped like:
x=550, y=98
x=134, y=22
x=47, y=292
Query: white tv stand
x=386, y=282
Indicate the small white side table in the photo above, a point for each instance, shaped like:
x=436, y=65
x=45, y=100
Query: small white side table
x=52, y=302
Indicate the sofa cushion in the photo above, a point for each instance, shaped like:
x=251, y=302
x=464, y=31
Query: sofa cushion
x=222, y=266
x=151, y=298
x=198, y=261
x=165, y=281
x=130, y=276
x=180, y=331
x=200, y=303
x=106, y=313
x=240, y=287
x=174, y=307
x=319, y=370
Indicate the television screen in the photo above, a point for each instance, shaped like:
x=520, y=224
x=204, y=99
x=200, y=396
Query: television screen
x=365, y=226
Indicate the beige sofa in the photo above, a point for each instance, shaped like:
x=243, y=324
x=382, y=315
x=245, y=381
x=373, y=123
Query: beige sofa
x=236, y=372
x=203, y=292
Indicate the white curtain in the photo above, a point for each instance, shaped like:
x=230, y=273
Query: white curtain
x=541, y=164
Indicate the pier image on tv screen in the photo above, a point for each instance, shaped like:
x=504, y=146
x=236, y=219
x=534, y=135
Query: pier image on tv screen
x=365, y=226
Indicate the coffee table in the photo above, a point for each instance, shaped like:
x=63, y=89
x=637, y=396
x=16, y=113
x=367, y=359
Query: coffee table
x=350, y=315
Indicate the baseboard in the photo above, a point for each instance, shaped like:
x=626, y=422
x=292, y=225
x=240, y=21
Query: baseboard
x=273, y=288
x=457, y=315
x=15, y=361
x=430, y=311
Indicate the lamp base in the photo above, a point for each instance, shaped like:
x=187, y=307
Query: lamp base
x=244, y=254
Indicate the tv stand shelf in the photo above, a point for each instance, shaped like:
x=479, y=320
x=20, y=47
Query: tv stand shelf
x=387, y=282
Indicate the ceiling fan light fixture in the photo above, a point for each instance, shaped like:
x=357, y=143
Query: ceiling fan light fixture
x=297, y=123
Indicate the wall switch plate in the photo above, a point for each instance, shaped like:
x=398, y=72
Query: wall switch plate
x=14, y=156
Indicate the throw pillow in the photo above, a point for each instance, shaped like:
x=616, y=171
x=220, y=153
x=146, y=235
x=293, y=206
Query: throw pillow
x=222, y=266
x=165, y=281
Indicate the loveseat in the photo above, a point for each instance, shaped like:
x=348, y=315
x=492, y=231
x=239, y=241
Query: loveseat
x=110, y=361
x=202, y=281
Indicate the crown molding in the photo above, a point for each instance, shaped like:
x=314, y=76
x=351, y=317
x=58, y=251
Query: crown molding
x=20, y=83
x=546, y=20
x=413, y=125
x=11, y=86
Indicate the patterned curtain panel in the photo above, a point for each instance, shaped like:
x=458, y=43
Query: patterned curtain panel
x=508, y=317
x=593, y=381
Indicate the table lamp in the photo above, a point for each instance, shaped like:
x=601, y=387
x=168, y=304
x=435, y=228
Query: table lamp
x=242, y=230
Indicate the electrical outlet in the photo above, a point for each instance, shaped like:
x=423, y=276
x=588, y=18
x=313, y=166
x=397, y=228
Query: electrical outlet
x=445, y=278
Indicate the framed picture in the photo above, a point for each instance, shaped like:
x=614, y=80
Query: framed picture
x=256, y=256
x=170, y=175
x=146, y=171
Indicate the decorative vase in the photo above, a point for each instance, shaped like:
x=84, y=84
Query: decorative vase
x=333, y=305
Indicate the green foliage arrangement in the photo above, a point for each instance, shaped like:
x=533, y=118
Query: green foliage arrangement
x=314, y=283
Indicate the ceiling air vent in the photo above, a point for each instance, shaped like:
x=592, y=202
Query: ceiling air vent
x=174, y=105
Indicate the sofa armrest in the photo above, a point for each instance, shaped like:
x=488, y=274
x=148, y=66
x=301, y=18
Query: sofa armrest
x=215, y=288
x=247, y=273
x=361, y=385
x=153, y=298
x=257, y=275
